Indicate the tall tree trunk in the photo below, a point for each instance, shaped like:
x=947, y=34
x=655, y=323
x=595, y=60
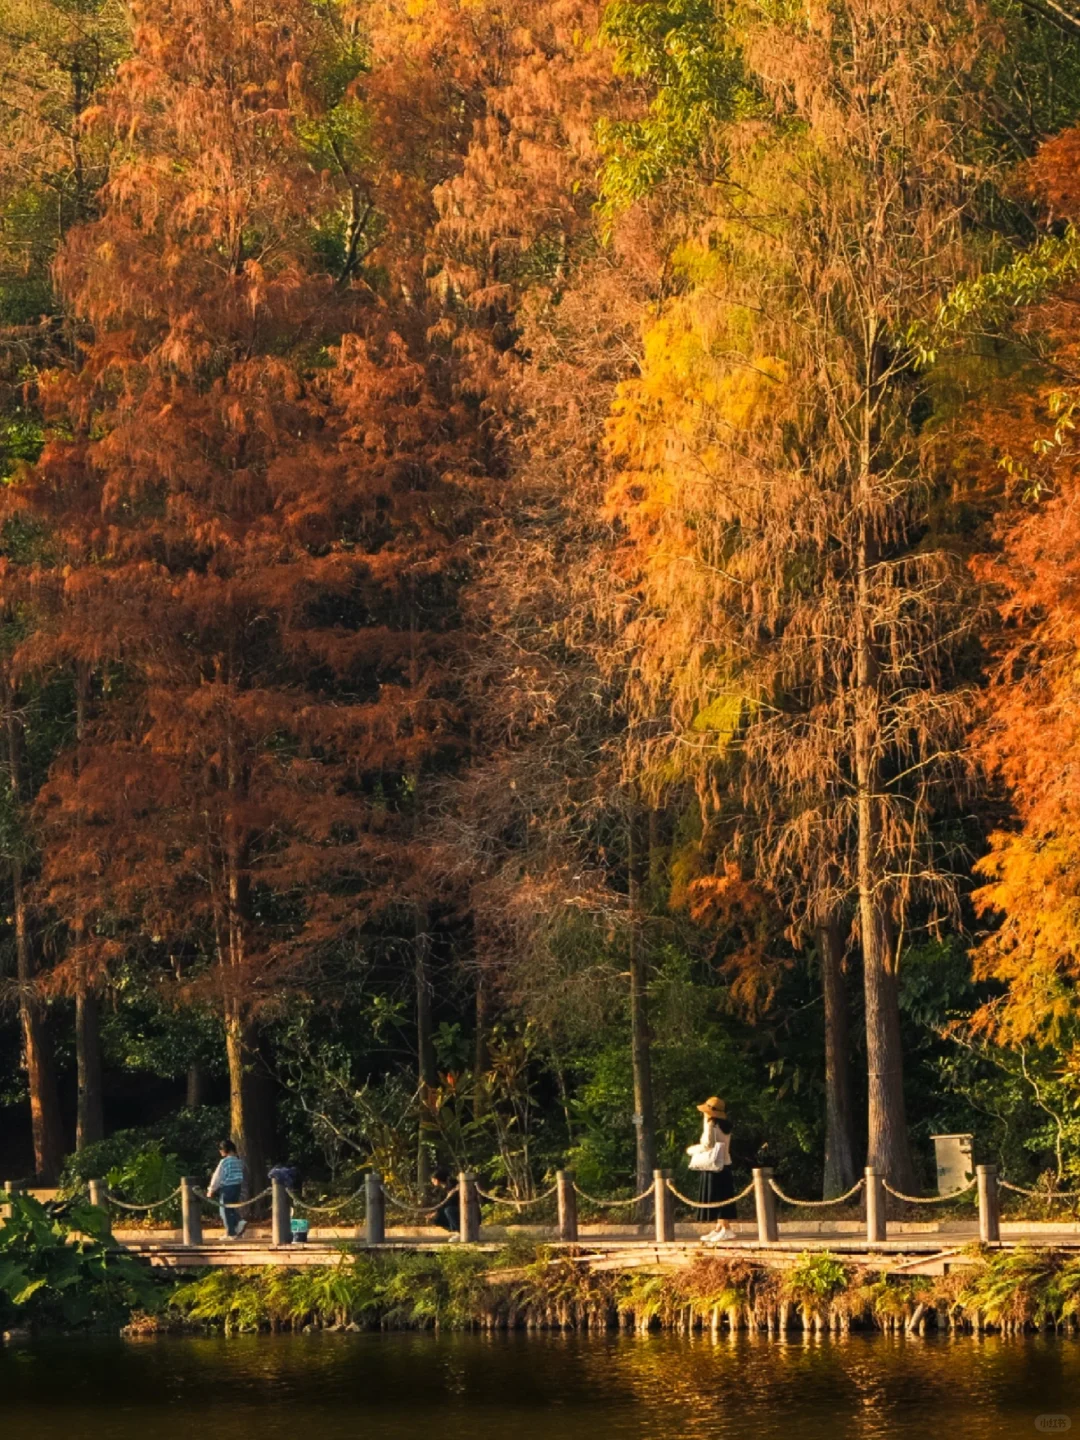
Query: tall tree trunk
x=45, y=1122
x=250, y=1109
x=46, y=1125
x=640, y=1030
x=251, y=1119
x=425, y=1045
x=480, y=1053
x=90, y=1112
x=195, y=1094
x=888, y=1146
x=839, y=1137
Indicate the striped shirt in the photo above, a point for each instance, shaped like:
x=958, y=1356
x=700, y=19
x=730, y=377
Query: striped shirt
x=229, y=1172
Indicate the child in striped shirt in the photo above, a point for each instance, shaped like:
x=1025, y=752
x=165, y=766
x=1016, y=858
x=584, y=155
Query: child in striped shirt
x=227, y=1183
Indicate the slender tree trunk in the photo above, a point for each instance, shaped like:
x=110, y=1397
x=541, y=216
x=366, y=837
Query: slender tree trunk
x=251, y=1119
x=640, y=1030
x=196, y=1087
x=90, y=1115
x=888, y=1146
x=839, y=1137
x=90, y=1112
x=425, y=1046
x=480, y=1053
x=45, y=1122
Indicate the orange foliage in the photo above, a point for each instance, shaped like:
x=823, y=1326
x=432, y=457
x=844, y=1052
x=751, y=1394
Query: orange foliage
x=257, y=520
x=1030, y=732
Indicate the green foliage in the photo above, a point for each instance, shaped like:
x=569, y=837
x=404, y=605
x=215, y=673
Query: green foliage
x=441, y=1290
x=145, y=1164
x=768, y=1075
x=1025, y=1287
x=684, y=52
x=990, y=303
x=57, y=1270
x=816, y=1277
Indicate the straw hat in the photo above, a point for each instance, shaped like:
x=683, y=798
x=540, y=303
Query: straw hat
x=714, y=1107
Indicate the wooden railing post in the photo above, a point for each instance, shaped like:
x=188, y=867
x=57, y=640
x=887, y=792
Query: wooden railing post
x=989, y=1204
x=664, y=1207
x=99, y=1196
x=469, y=1208
x=190, y=1214
x=567, y=1198
x=375, y=1209
x=765, y=1206
x=875, y=1205
x=11, y=1187
x=280, y=1214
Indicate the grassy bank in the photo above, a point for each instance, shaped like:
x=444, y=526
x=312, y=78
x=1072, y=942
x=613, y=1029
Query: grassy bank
x=1009, y=1292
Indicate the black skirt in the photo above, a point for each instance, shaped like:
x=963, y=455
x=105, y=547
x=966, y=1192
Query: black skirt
x=717, y=1185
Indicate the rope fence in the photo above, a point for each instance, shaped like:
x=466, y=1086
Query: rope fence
x=154, y=1204
x=409, y=1208
x=231, y=1204
x=299, y=1203
x=663, y=1192
x=514, y=1200
x=929, y=1199
x=709, y=1204
x=814, y=1204
x=1040, y=1194
x=613, y=1204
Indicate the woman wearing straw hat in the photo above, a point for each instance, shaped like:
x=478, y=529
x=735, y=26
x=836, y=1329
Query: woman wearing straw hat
x=711, y=1157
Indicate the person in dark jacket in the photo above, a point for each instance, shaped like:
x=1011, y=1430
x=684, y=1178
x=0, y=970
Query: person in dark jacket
x=448, y=1215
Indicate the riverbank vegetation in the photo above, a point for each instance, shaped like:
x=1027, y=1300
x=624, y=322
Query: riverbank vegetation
x=1010, y=1292
x=61, y=1273
x=537, y=570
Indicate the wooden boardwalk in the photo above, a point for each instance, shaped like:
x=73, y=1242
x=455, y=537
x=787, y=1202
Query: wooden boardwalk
x=913, y=1249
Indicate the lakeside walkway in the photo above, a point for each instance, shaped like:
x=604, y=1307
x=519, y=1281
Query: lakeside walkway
x=911, y=1248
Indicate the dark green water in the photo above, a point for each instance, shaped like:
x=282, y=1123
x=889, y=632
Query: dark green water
x=516, y=1387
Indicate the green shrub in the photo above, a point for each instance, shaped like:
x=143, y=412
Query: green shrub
x=144, y=1165
x=815, y=1278
x=57, y=1271
x=418, y=1291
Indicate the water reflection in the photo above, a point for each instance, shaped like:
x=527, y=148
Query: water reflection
x=498, y=1387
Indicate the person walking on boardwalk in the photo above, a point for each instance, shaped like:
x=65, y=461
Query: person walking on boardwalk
x=227, y=1183
x=711, y=1157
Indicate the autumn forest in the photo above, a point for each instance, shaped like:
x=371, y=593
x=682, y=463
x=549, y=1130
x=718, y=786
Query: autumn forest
x=539, y=582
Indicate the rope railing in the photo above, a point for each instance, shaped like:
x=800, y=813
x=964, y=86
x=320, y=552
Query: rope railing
x=767, y=1193
x=231, y=1204
x=929, y=1199
x=613, y=1204
x=301, y=1204
x=154, y=1204
x=709, y=1204
x=409, y=1208
x=514, y=1200
x=1040, y=1194
x=814, y=1204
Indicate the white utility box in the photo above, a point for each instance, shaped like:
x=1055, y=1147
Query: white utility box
x=954, y=1164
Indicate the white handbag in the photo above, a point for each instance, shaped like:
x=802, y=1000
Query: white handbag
x=708, y=1157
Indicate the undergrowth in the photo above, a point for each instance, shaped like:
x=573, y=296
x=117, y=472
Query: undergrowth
x=532, y=1287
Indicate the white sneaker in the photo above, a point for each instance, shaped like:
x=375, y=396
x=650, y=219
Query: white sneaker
x=240, y=1229
x=452, y=1237
x=722, y=1232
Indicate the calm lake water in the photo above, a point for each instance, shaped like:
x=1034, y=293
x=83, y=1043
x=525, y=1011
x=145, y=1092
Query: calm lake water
x=517, y=1387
